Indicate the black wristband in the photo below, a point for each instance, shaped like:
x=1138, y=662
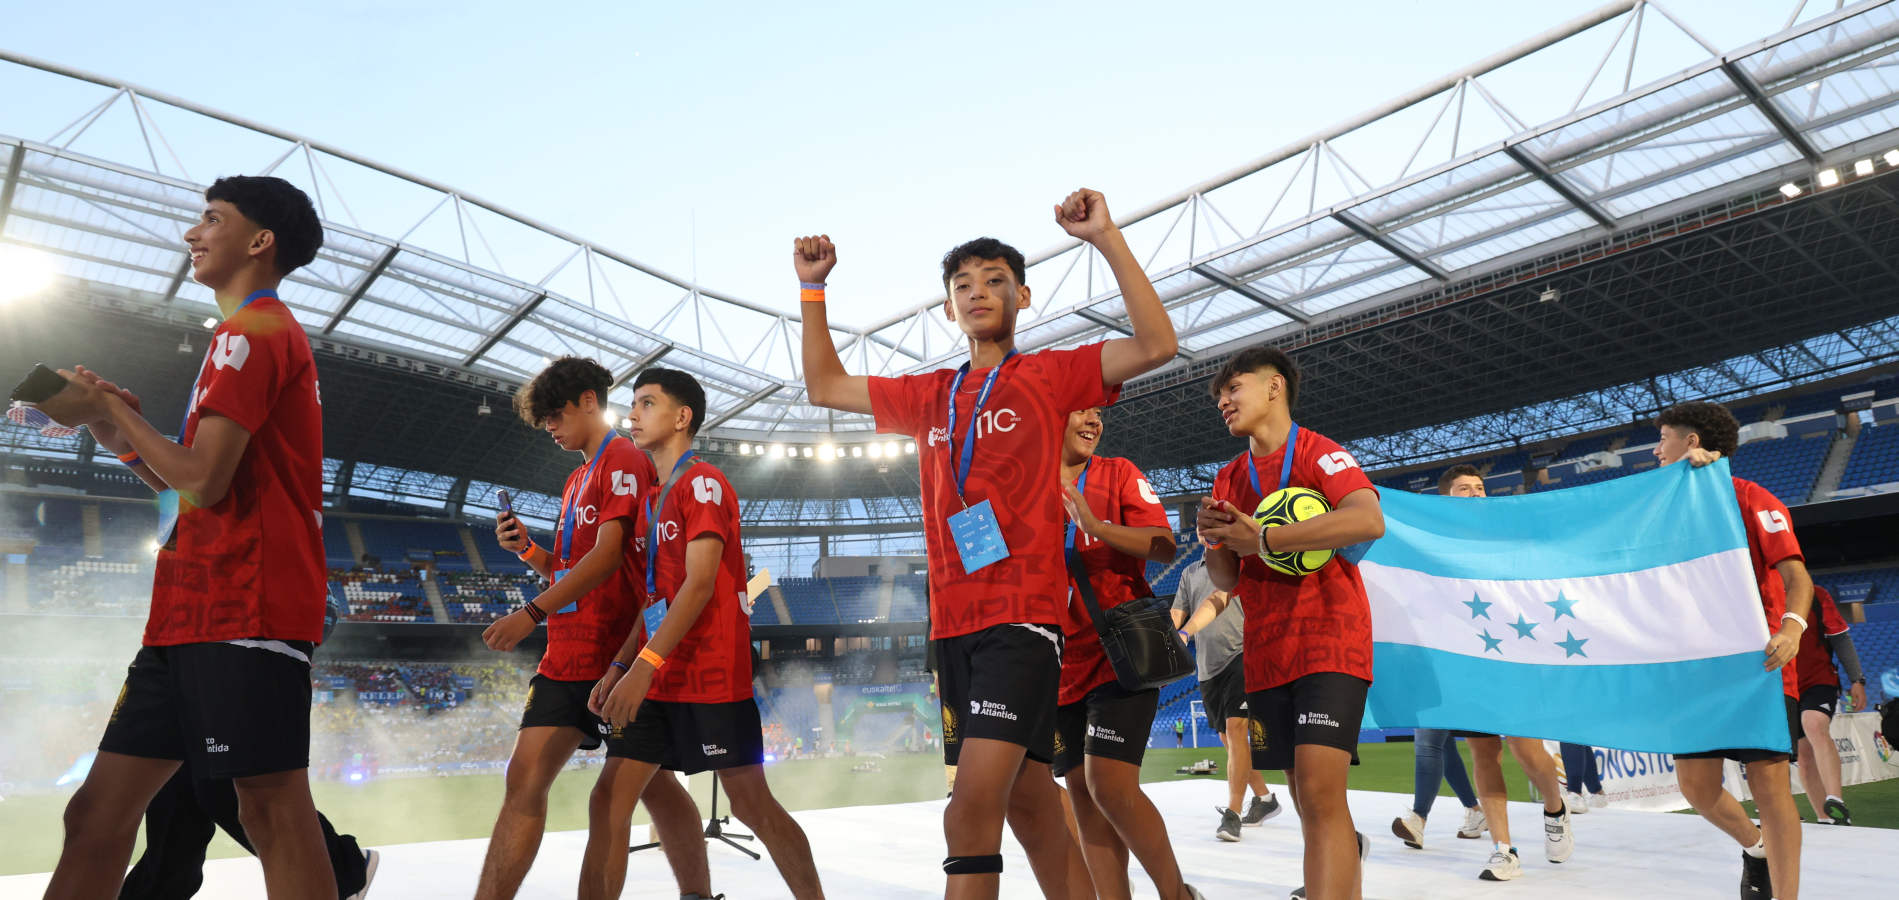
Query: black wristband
x=534, y=612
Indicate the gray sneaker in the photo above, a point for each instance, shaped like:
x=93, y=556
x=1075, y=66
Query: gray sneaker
x=1229, y=829
x=1261, y=809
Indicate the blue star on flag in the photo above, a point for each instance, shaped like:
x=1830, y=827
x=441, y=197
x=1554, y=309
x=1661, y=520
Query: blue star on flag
x=1563, y=606
x=1524, y=627
x=1478, y=607
x=1573, y=646
x=1491, y=643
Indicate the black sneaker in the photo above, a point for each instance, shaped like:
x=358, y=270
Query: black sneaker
x=1229, y=829
x=1836, y=810
x=1260, y=810
x=1755, y=882
x=1299, y=893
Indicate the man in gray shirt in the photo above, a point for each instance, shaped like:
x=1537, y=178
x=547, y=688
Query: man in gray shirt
x=1217, y=628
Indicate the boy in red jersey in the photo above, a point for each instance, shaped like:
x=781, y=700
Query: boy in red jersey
x=590, y=608
x=1770, y=859
x=238, y=594
x=1308, y=639
x=1819, y=684
x=988, y=456
x=682, y=698
x=1101, y=728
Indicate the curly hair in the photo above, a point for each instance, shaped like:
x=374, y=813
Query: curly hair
x=1450, y=476
x=561, y=383
x=1719, y=430
x=984, y=248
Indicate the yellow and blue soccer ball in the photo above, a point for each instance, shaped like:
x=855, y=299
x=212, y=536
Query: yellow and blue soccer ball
x=1284, y=507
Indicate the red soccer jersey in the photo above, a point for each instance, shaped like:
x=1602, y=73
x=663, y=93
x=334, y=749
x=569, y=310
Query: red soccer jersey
x=251, y=565
x=1120, y=495
x=713, y=663
x=1815, y=663
x=1298, y=626
x=1770, y=541
x=582, y=642
x=1016, y=467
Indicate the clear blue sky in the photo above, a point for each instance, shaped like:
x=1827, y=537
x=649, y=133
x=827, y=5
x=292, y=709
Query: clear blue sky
x=901, y=129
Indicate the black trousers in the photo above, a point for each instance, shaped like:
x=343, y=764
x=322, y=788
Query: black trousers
x=178, y=827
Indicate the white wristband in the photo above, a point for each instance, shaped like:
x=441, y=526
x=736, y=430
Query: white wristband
x=1794, y=616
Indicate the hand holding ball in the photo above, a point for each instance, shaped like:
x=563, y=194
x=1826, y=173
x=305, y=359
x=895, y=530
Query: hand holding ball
x=1284, y=507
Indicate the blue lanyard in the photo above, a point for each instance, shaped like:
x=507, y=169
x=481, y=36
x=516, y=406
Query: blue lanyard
x=564, y=537
x=969, y=435
x=1285, y=467
x=191, y=402
x=1081, y=487
x=653, y=509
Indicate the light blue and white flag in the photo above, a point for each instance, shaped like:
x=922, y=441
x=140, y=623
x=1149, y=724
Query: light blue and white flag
x=1622, y=614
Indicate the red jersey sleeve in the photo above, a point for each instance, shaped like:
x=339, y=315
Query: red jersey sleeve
x=704, y=508
x=625, y=477
x=898, y=404
x=1140, y=506
x=1770, y=526
x=1075, y=377
x=1828, y=618
x=1339, y=471
x=249, y=362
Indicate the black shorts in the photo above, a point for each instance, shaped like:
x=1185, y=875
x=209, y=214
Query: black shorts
x=1000, y=684
x=227, y=711
x=1224, y=695
x=1824, y=698
x=553, y=703
x=1110, y=722
x=1754, y=754
x=692, y=737
x=1324, y=708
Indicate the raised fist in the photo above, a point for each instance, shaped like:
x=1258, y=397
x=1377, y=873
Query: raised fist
x=814, y=258
x=1084, y=214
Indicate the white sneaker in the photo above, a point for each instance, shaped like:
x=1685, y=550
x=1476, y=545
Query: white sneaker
x=1503, y=866
x=1559, y=840
x=1410, y=829
x=1597, y=800
x=1575, y=803
x=1474, y=824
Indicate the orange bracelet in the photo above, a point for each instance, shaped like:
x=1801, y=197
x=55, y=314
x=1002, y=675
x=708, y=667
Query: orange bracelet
x=532, y=553
x=653, y=659
x=808, y=293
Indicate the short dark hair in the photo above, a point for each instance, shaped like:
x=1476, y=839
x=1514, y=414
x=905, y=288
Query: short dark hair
x=984, y=248
x=1719, y=430
x=1253, y=359
x=278, y=206
x=561, y=383
x=1450, y=476
x=680, y=386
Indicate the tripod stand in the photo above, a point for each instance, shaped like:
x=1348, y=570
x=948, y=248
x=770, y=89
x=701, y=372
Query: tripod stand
x=715, y=829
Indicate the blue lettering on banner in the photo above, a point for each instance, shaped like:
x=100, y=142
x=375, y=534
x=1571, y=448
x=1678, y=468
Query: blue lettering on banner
x=1629, y=764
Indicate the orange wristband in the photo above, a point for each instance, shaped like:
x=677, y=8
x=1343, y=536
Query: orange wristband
x=532, y=553
x=810, y=293
x=653, y=659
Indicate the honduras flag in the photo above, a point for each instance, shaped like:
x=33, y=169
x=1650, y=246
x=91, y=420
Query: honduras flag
x=1622, y=614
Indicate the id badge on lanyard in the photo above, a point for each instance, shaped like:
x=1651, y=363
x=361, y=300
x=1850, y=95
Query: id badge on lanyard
x=655, y=611
x=977, y=534
x=570, y=511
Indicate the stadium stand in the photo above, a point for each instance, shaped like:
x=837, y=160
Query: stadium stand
x=1875, y=457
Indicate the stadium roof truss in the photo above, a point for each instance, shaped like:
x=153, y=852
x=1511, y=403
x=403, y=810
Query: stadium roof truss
x=1329, y=226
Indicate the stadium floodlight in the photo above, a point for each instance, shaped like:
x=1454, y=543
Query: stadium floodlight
x=876, y=451
x=626, y=424
x=1549, y=295
x=210, y=323
x=826, y=452
x=1863, y=167
x=758, y=449
x=484, y=408
x=184, y=346
x=857, y=452
x=910, y=448
x=1892, y=158
x=24, y=272
x=777, y=451
x=1829, y=177
x=890, y=449
x=1790, y=190
x=745, y=449
x=807, y=452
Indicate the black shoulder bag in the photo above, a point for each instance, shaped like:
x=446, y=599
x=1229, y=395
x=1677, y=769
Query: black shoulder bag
x=1138, y=636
